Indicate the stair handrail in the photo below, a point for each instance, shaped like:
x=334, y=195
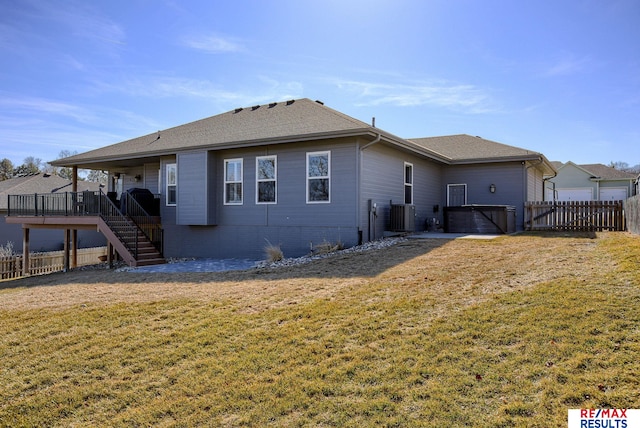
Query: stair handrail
x=145, y=221
x=109, y=211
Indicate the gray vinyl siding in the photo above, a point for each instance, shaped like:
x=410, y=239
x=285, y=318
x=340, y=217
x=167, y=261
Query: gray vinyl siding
x=151, y=177
x=129, y=177
x=534, y=184
x=509, y=178
x=244, y=230
x=196, y=183
x=167, y=213
x=382, y=172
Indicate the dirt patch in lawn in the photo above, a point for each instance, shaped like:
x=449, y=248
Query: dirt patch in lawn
x=461, y=271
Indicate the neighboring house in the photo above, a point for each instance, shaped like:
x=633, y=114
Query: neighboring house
x=42, y=239
x=591, y=182
x=298, y=173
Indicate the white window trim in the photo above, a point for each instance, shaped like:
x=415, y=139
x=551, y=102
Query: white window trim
x=274, y=179
x=167, y=168
x=328, y=176
x=404, y=174
x=466, y=193
x=241, y=181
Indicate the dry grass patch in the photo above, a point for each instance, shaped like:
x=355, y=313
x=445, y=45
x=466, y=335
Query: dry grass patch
x=510, y=332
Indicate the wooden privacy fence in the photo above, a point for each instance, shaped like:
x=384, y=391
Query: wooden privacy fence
x=590, y=216
x=632, y=214
x=52, y=261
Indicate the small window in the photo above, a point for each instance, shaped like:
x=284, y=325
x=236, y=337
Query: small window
x=233, y=181
x=266, y=179
x=318, y=177
x=172, y=184
x=408, y=183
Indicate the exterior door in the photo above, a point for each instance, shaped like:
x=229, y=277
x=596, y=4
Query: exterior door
x=456, y=195
x=613, y=194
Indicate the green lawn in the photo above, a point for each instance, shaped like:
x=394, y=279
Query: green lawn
x=385, y=350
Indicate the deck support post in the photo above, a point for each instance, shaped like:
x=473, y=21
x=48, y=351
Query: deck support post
x=110, y=254
x=25, y=251
x=67, y=233
x=74, y=245
x=74, y=187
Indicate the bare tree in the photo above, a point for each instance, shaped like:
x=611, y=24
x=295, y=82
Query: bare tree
x=624, y=166
x=97, y=176
x=30, y=165
x=63, y=171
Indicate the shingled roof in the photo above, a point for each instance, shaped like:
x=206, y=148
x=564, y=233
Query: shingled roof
x=607, y=173
x=295, y=120
x=465, y=148
x=284, y=122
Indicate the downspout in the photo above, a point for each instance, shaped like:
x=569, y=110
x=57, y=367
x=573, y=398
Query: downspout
x=369, y=214
x=544, y=187
x=377, y=140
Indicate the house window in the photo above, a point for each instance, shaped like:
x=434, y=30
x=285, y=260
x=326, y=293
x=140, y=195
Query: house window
x=266, y=176
x=318, y=177
x=172, y=184
x=456, y=195
x=408, y=183
x=233, y=181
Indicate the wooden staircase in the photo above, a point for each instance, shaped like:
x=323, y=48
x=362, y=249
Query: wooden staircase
x=127, y=233
x=130, y=242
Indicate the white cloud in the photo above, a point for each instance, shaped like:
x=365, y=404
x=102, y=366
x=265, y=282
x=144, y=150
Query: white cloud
x=263, y=89
x=212, y=43
x=466, y=98
x=40, y=106
x=567, y=66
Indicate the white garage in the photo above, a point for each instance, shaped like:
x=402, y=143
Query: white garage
x=576, y=194
x=613, y=193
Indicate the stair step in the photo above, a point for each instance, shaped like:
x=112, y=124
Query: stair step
x=150, y=262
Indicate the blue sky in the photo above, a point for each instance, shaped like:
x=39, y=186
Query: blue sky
x=560, y=77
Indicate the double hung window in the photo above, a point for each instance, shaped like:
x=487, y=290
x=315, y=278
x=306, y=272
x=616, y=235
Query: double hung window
x=172, y=184
x=318, y=177
x=233, y=181
x=408, y=183
x=266, y=179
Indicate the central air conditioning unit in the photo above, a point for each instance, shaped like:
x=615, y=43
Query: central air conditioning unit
x=402, y=218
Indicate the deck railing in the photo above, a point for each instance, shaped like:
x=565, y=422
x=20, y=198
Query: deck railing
x=149, y=224
x=54, y=204
x=124, y=225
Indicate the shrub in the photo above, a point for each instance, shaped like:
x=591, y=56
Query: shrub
x=7, y=250
x=273, y=252
x=327, y=247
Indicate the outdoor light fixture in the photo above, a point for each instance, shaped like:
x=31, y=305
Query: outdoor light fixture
x=139, y=177
x=492, y=188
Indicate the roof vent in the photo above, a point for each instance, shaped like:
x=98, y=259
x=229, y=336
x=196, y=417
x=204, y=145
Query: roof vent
x=320, y=102
x=272, y=105
x=255, y=108
x=238, y=110
x=290, y=102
